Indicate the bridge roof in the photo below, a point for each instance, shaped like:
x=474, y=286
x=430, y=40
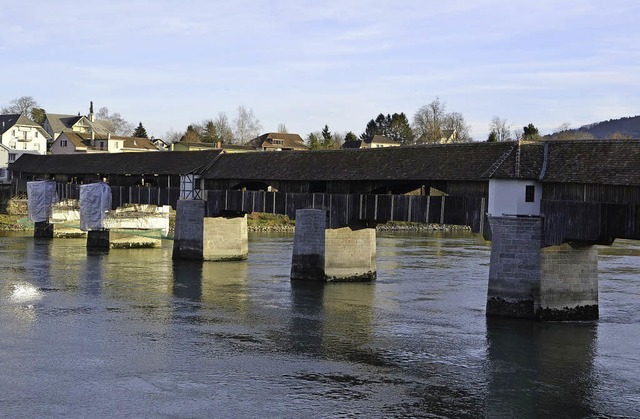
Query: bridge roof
x=463, y=162
x=604, y=162
x=140, y=163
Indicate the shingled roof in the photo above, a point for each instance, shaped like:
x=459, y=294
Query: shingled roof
x=167, y=163
x=524, y=160
x=463, y=162
x=604, y=162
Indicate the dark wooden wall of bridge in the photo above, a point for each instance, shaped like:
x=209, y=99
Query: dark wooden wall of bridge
x=344, y=209
x=590, y=213
x=396, y=187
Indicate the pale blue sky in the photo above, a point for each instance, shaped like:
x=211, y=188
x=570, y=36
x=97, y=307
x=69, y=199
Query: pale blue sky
x=311, y=63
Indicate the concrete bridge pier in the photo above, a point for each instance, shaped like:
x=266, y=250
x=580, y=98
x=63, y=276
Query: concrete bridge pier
x=223, y=238
x=528, y=281
x=324, y=254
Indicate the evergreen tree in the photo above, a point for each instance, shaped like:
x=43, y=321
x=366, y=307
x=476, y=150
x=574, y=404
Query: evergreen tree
x=350, y=137
x=370, y=131
x=313, y=141
x=493, y=137
x=399, y=129
x=192, y=135
x=530, y=132
x=38, y=115
x=140, y=132
x=209, y=134
x=327, y=138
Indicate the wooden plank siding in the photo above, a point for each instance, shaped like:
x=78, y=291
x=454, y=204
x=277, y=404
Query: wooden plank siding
x=590, y=222
x=613, y=194
x=344, y=209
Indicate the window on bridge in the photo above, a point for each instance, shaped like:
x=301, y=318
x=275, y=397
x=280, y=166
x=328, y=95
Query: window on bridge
x=530, y=193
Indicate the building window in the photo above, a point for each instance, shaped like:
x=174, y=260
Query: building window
x=12, y=157
x=36, y=134
x=101, y=145
x=530, y=193
x=63, y=143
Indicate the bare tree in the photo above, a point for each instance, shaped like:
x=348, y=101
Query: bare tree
x=223, y=128
x=172, y=136
x=517, y=134
x=247, y=126
x=461, y=131
x=116, y=123
x=501, y=128
x=427, y=122
x=432, y=120
x=23, y=105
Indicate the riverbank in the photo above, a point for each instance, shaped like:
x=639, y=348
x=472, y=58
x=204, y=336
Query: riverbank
x=267, y=223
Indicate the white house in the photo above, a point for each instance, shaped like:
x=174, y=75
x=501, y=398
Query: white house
x=19, y=135
x=18, y=132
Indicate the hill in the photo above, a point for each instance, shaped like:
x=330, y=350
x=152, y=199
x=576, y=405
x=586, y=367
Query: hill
x=627, y=127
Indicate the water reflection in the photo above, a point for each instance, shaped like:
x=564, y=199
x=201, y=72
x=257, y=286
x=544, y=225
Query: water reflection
x=540, y=369
x=187, y=280
x=332, y=320
x=93, y=271
x=221, y=285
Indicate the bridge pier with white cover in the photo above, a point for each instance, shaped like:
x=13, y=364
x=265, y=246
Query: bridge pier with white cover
x=324, y=254
x=528, y=279
x=41, y=195
x=95, y=202
x=222, y=238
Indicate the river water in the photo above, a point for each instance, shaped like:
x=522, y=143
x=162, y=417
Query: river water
x=129, y=333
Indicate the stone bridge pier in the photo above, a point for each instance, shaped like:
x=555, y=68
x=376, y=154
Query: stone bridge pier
x=198, y=237
x=531, y=281
x=528, y=278
x=324, y=254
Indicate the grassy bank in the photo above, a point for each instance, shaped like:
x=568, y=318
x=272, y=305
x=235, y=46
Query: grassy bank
x=11, y=222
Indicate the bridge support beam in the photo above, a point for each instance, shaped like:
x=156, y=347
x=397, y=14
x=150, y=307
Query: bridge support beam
x=525, y=280
x=322, y=254
x=225, y=238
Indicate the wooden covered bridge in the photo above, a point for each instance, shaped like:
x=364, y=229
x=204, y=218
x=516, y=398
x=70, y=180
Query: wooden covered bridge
x=547, y=204
x=590, y=190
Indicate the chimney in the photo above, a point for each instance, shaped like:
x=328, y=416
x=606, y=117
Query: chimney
x=219, y=144
x=93, y=135
x=108, y=136
x=92, y=117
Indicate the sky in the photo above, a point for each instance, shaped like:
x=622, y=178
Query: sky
x=305, y=64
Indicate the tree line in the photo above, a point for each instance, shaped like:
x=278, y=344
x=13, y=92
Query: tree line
x=431, y=123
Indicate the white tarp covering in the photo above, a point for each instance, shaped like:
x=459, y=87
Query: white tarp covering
x=41, y=195
x=95, y=201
